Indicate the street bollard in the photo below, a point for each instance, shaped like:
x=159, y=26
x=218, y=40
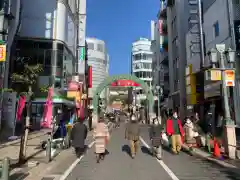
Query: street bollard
x=48, y=150
x=5, y=168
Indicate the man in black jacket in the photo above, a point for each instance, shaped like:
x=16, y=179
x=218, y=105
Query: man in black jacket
x=78, y=136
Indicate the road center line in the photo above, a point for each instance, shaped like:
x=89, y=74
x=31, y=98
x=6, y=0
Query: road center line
x=164, y=166
x=75, y=163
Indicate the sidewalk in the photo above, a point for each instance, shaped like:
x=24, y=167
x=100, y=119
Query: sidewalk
x=11, y=149
x=230, y=165
x=42, y=170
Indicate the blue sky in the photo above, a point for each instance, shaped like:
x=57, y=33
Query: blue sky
x=119, y=23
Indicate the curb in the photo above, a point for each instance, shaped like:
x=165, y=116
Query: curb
x=208, y=157
x=16, y=141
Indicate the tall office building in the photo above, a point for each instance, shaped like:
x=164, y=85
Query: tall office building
x=142, y=65
x=99, y=60
x=160, y=50
x=177, y=24
x=43, y=32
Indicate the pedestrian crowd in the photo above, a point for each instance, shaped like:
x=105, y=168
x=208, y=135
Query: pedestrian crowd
x=171, y=130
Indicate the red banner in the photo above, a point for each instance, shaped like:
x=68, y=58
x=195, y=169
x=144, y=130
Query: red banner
x=125, y=83
x=21, y=105
x=90, y=76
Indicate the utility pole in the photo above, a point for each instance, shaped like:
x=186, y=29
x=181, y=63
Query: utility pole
x=2, y=65
x=4, y=20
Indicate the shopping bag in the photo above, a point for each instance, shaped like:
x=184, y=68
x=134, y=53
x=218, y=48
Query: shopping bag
x=196, y=134
x=165, y=139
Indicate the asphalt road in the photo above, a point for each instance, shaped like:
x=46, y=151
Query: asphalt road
x=118, y=165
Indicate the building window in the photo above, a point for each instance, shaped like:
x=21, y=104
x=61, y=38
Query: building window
x=237, y=2
x=100, y=48
x=90, y=46
x=216, y=29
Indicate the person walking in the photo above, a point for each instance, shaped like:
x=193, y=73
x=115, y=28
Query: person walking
x=132, y=134
x=190, y=134
x=117, y=120
x=78, y=136
x=174, y=129
x=155, y=137
x=101, y=137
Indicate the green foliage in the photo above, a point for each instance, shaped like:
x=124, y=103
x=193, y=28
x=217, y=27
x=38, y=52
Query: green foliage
x=44, y=89
x=7, y=90
x=28, y=76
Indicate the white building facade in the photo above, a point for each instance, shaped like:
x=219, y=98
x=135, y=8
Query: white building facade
x=142, y=64
x=99, y=60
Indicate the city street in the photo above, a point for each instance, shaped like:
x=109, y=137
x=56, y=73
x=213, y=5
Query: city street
x=118, y=164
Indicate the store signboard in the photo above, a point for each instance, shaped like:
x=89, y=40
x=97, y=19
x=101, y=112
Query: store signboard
x=81, y=52
x=9, y=109
x=2, y=53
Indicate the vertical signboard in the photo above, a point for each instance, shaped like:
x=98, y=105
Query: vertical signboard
x=229, y=77
x=160, y=26
x=90, y=76
x=9, y=109
x=82, y=53
x=2, y=53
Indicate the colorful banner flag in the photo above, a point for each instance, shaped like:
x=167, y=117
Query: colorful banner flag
x=21, y=105
x=90, y=76
x=47, y=115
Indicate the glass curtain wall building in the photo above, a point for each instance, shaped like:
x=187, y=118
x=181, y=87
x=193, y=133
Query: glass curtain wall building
x=48, y=36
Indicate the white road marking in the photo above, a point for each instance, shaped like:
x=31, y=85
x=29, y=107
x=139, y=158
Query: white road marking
x=164, y=166
x=74, y=164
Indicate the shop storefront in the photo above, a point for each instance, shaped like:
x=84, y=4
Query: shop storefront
x=39, y=51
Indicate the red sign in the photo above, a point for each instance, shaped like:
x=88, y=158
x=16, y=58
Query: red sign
x=125, y=83
x=90, y=76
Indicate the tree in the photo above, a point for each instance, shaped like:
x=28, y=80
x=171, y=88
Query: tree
x=27, y=78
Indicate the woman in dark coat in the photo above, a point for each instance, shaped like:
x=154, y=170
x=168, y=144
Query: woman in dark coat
x=78, y=136
x=155, y=136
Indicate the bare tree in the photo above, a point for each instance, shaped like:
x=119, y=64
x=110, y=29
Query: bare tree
x=28, y=78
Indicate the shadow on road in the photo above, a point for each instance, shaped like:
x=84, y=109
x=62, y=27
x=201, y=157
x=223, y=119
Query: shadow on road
x=145, y=150
x=231, y=173
x=126, y=149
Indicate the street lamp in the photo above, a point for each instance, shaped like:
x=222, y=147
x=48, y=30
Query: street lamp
x=229, y=123
x=231, y=55
x=213, y=56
